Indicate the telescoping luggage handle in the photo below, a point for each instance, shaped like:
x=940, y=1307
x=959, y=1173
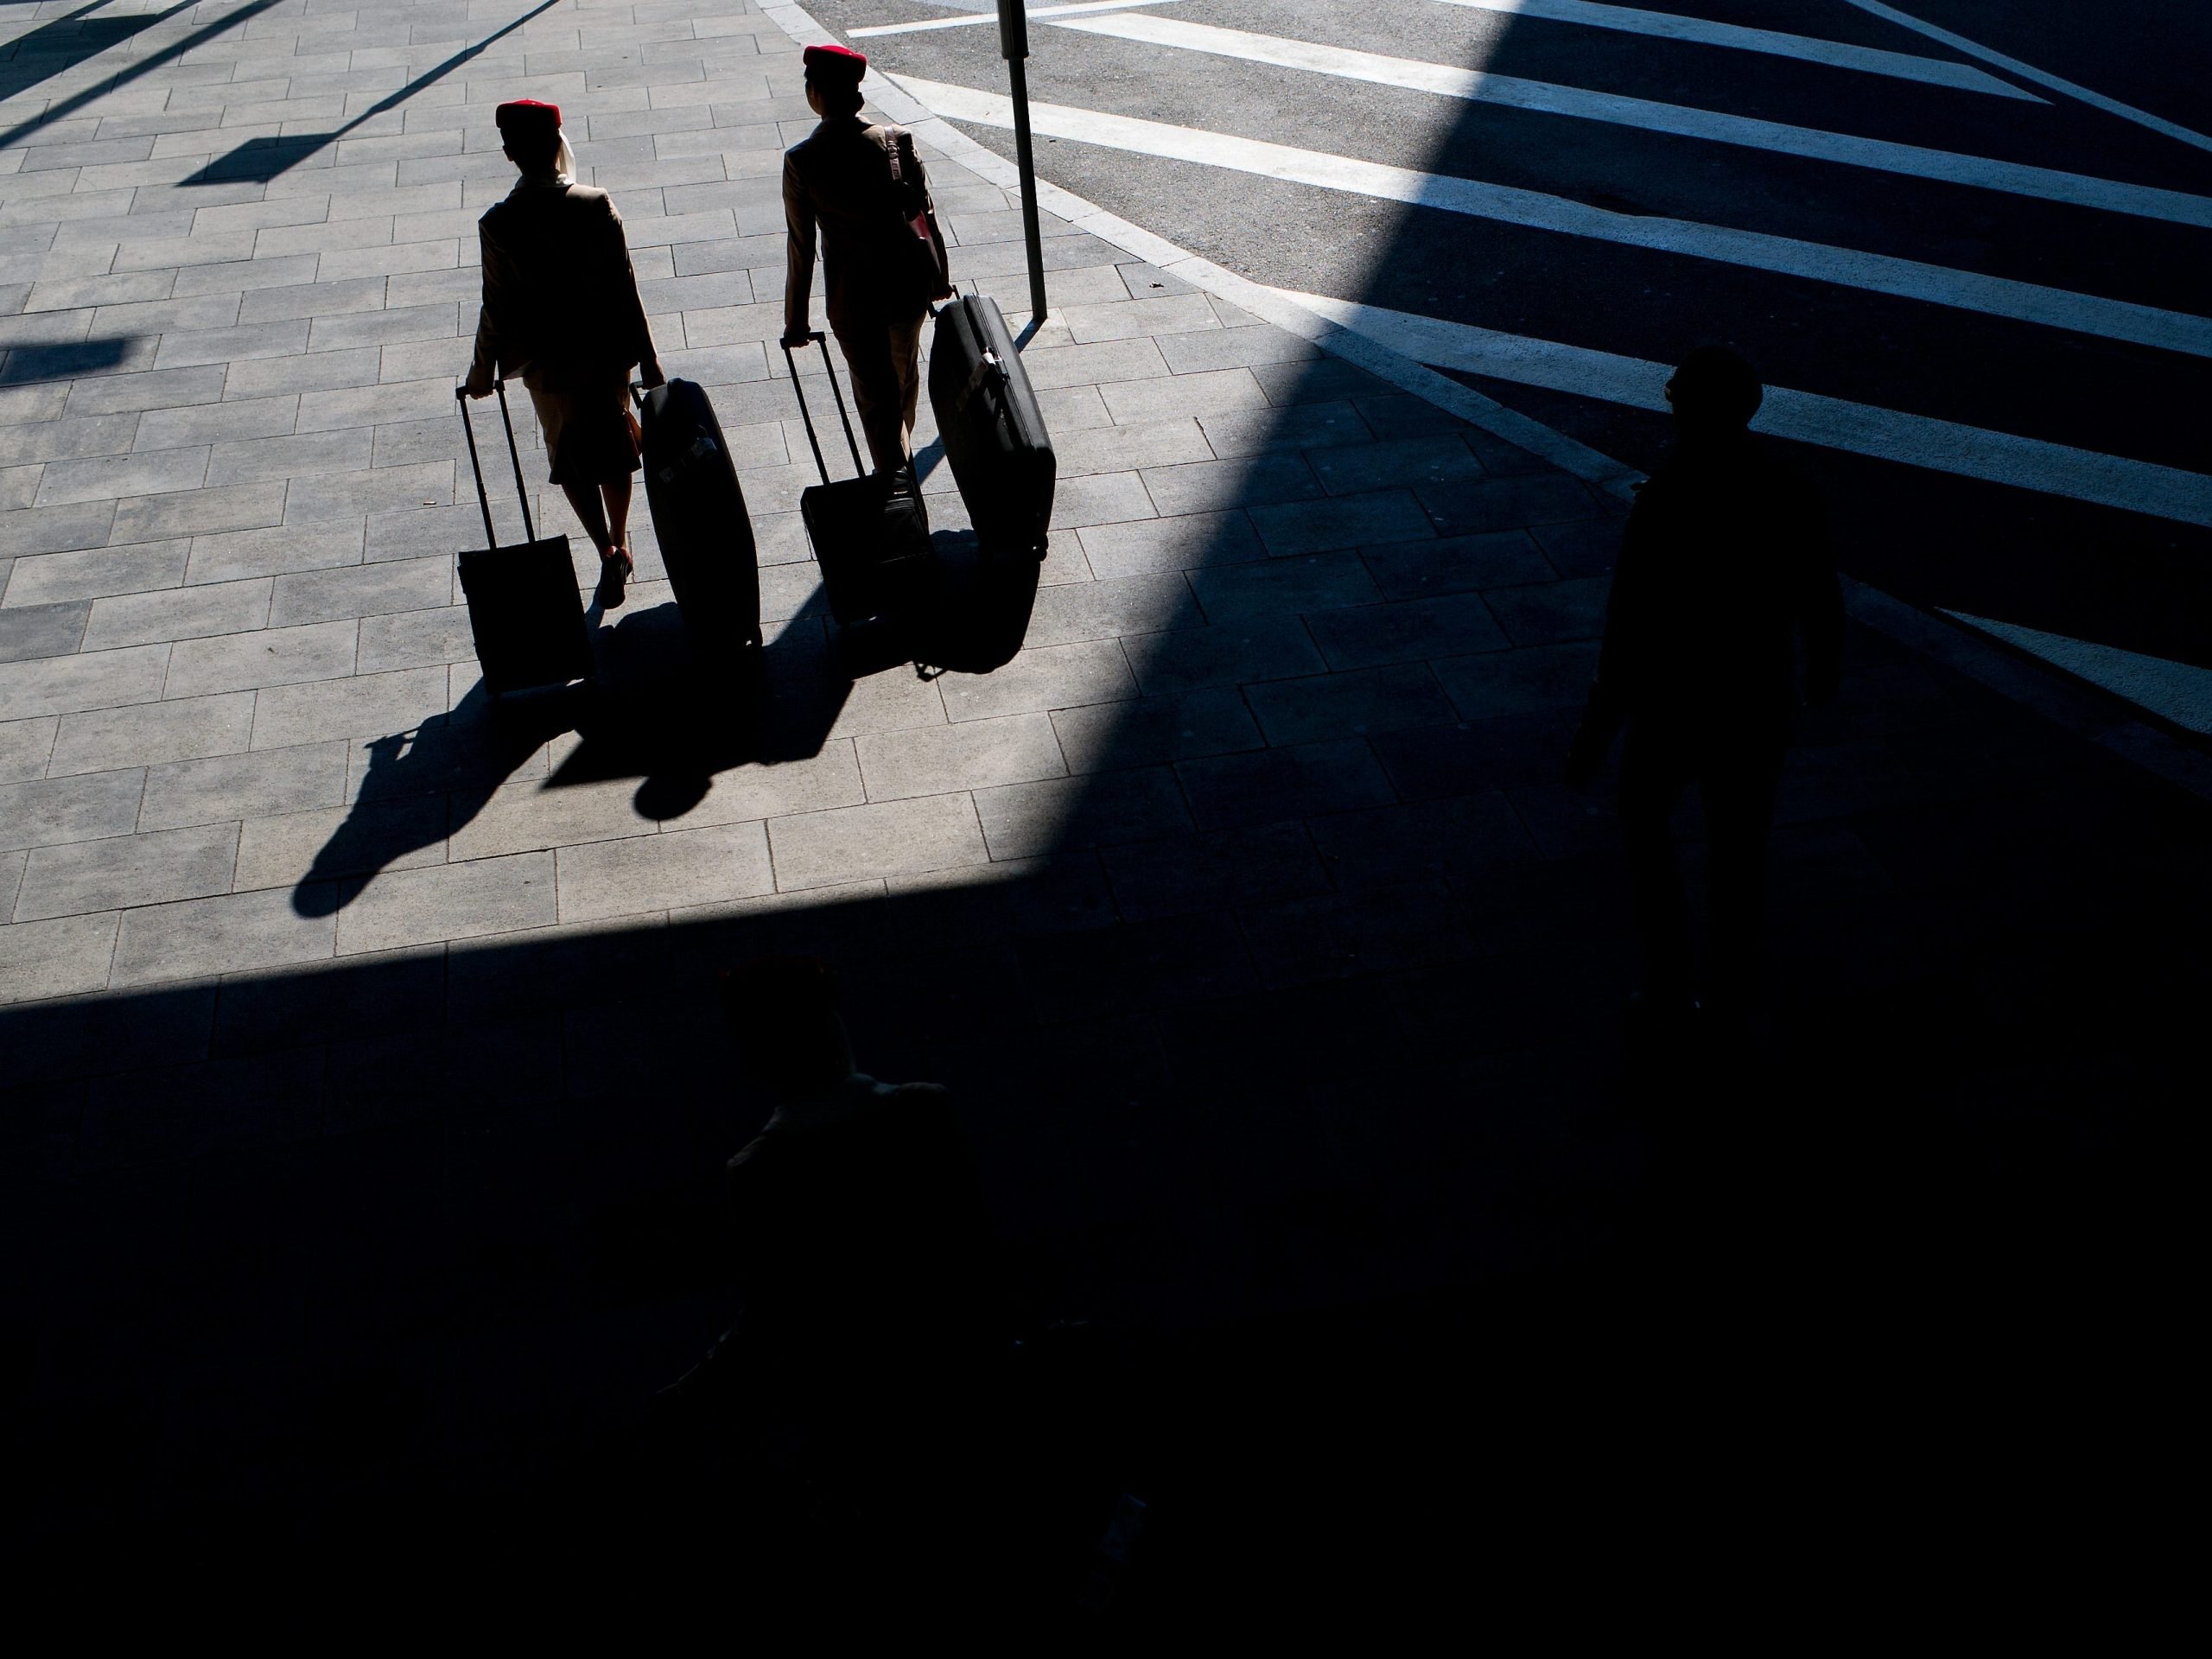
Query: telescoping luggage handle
x=791, y=363
x=522, y=490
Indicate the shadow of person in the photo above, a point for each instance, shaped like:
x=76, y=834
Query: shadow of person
x=674, y=720
x=661, y=714
x=1725, y=589
x=422, y=784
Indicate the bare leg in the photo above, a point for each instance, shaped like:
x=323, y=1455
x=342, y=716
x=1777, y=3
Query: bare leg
x=584, y=498
x=618, y=511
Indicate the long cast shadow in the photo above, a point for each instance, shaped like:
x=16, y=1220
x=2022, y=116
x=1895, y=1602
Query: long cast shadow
x=74, y=43
x=1266, y=1051
x=22, y=364
x=657, y=714
x=259, y=160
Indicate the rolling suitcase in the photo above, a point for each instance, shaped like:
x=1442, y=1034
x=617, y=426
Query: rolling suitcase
x=699, y=517
x=993, y=429
x=524, y=608
x=871, y=534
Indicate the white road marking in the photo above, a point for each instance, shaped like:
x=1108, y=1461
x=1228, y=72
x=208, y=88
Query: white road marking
x=974, y=20
x=2026, y=71
x=1996, y=297
x=1834, y=422
x=1672, y=26
x=2180, y=692
x=1476, y=86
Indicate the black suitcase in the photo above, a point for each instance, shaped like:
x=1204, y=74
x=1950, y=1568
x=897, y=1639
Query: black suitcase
x=871, y=534
x=993, y=430
x=524, y=608
x=699, y=517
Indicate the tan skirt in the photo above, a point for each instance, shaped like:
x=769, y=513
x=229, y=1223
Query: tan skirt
x=591, y=436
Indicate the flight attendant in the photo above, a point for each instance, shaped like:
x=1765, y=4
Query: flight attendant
x=561, y=310
x=864, y=188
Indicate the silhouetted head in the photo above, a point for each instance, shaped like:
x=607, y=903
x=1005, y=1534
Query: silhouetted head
x=783, y=1013
x=1714, y=393
x=530, y=131
x=832, y=80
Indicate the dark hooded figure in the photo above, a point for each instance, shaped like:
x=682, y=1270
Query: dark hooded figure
x=561, y=310
x=857, y=1228
x=1725, y=567
x=863, y=186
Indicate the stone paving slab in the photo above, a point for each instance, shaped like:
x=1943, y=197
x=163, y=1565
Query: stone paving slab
x=1251, y=857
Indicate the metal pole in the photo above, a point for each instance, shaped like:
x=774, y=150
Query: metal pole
x=1013, y=46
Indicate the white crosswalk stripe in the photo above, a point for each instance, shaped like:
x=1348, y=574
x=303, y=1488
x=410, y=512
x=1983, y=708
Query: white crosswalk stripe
x=1478, y=86
x=1672, y=26
x=979, y=19
x=2179, y=692
x=1809, y=417
x=1960, y=289
x=1878, y=273
x=2013, y=66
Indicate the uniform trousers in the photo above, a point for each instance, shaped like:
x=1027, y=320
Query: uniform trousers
x=1737, y=773
x=884, y=360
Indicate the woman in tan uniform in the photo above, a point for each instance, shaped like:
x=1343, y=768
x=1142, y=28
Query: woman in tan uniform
x=865, y=187
x=562, y=311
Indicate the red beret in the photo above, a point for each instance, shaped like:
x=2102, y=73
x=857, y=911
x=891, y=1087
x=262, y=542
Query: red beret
x=835, y=63
x=526, y=114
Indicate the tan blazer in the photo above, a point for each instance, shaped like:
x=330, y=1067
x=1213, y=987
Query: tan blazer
x=560, y=305
x=839, y=177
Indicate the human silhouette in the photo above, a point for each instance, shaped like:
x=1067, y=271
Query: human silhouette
x=865, y=188
x=561, y=310
x=857, y=1195
x=419, y=786
x=858, y=1237
x=1724, y=560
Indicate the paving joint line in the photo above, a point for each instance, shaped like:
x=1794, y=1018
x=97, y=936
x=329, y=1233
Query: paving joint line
x=2077, y=706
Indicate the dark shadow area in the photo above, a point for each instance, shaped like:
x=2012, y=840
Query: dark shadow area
x=380, y=1262
x=661, y=715
x=653, y=713
x=23, y=365
x=259, y=160
x=2068, y=568
x=423, y=785
x=63, y=42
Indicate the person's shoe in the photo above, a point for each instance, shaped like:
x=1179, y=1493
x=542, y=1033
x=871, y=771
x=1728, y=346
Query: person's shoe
x=615, y=567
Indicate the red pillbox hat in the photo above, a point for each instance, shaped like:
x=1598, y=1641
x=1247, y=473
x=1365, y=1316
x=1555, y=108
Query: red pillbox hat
x=835, y=63
x=526, y=113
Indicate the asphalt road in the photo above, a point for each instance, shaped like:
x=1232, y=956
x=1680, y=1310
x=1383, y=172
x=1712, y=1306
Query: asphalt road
x=2071, y=561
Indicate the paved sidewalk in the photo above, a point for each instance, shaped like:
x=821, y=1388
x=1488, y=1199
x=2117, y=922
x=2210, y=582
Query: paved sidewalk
x=1242, y=906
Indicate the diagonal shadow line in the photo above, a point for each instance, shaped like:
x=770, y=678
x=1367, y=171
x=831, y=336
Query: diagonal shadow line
x=144, y=66
x=424, y=1146
x=65, y=58
x=59, y=44
x=64, y=359
x=259, y=160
